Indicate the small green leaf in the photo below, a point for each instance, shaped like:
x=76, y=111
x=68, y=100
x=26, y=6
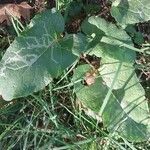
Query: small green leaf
x=89, y=28
x=130, y=11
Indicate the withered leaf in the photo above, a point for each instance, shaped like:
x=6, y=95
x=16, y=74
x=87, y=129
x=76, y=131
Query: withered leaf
x=22, y=10
x=90, y=77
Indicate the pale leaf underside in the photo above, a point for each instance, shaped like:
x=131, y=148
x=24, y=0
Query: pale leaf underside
x=130, y=11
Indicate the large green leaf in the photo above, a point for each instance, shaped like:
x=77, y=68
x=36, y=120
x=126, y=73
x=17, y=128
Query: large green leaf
x=37, y=55
x=117, y=93
x=126, y=111
x=130, y=11
x=112, y=57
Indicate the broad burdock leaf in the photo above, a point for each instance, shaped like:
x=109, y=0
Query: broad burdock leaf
x=37, y=55
x=116, y=93
x=112, y=53
x=126, y=113
x=130, y=11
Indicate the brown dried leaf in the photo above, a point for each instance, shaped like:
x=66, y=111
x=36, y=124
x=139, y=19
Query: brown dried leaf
x=90, y=77
x=14, y=10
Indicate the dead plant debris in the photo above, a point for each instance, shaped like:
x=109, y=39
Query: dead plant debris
x=20, y=11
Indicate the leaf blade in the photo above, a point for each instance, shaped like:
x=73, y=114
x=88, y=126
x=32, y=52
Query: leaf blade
x=35, y=57
x=116, y=118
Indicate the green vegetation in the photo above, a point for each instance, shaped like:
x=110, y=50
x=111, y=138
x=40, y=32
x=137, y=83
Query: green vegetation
x=76, y=77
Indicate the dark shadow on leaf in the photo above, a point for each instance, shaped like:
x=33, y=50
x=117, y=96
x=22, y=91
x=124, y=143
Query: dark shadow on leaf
x=119, y=93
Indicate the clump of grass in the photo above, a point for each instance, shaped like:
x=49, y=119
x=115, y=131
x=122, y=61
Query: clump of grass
x=51, y=119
